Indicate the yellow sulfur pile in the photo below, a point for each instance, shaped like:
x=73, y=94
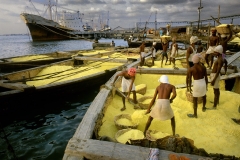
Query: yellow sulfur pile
x=125, y=122
x=138, y=115
x=133, y=134
x=31, y=58
x=158, y=135
x=147, y=101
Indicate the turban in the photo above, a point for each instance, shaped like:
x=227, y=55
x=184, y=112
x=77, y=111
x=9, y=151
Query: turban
x=219, y=49
x=163, y=79
x=132, y=71
x=195, y=58
x=193, y=39
x=223, y=35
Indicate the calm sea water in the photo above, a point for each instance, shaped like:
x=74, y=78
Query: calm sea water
x=44, y=135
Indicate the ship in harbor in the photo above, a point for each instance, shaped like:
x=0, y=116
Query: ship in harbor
x=62, y=25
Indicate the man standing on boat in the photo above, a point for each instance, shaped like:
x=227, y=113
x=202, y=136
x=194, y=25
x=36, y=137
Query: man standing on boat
x=165, y=44
x=162, y=109
x=224, y=39
x=212, y=43
x=191, y=51
x=153, y=52
x=174, y=52
x=215, y=75
x=128, y=86
x=199, y=74
x=142, y=53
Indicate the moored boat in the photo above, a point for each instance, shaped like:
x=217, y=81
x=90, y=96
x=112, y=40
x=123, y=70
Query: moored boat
x=17, y=63
x=215, y=131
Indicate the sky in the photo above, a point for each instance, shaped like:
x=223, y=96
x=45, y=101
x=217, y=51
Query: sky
x=123, y=13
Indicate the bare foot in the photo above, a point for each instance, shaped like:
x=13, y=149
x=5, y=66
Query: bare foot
x=191, y=116
x=122, y=109
x=204, y=109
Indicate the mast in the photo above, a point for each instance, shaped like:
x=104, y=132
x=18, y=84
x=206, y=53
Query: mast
x=56, y=16
x=199, y=10
x=50, y=9
x=155, y=22
x=108, y=19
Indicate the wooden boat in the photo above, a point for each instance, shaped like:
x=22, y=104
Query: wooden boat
x=89, y=142
x=46, y=82
x=34, y=60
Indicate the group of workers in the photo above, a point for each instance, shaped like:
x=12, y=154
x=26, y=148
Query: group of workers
x=166, y=92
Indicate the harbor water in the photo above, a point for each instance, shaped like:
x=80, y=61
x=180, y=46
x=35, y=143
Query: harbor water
x=44, y=134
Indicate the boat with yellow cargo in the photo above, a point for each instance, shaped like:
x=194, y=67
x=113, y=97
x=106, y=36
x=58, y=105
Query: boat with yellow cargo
x=42, y=84
x=17, y=63
x=213, y=135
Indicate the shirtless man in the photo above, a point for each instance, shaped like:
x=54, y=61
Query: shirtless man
x=165, y=43
x=153, y=52
x=215, y=75
x=142, y=53
x=212, y=43
x=162, y=109
x=128, y=86
x=223, y=41
x=199, y=74
x=174, y=52
x=191, y=51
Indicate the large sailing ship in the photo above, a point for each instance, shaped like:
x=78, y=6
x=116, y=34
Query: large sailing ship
x=58, y=26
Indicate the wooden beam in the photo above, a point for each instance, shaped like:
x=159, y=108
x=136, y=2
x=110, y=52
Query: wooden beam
x=180, y=71
x=16, y=86
x=102, y=150
x=101, y=59
x=233, y=58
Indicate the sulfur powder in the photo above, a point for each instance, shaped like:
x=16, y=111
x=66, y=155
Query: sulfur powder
x=125, y=122
x=133, y=134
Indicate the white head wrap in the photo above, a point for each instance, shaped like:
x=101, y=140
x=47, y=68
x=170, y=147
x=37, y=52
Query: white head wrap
x=219, y=49
x=163, y=79
x=195, y=58
x=223, y=35
x=154, y=43
x=193, y=39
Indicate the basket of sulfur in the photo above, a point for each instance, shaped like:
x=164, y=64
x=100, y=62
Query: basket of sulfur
x=144, y=101
x=223, y=28
x=153, y=135
x=124, y=121
x=190, y=97
x=165, y=38
x=124, y=135
x=141, y=89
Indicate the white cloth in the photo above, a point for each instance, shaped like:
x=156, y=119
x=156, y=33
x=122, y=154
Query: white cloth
x=154, y=52
x=193, y=39
x=154, y=154
x=199, y=88
x=210, y=49
x=162, y=110
x=174, y=50
x=218, y=49
x=126, y=83
x=216, y=84
x=191, y=55
x=143, y=54
x=163, y=79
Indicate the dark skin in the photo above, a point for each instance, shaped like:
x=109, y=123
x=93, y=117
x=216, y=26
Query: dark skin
x=189, y=51
x=142, y=48
x=216, y=69
x=127, y=76
x=198, y=71
x=213, y=41
x=163, y=91
x=223, y=42
x=165, y=47
x=171, y=58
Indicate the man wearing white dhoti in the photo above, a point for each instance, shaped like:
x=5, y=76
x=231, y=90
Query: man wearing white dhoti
x=199, y=74
x=162, y=109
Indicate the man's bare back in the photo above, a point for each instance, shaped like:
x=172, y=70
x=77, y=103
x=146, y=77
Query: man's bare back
x=164, y=90
x=198, y=71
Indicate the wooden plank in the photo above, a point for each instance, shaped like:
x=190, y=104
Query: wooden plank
x=101, y=59
x=230, y=76
x=102, y=150
x=180, y=71
x=233, y=58
x=16, y=86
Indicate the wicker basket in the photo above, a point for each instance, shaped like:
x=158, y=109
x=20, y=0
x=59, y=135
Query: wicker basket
x=127, y=116
x=149, y=137
x=121, y=132
x=141, y=100
x=190, y=98
x=223, y=29
x=141, y=90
